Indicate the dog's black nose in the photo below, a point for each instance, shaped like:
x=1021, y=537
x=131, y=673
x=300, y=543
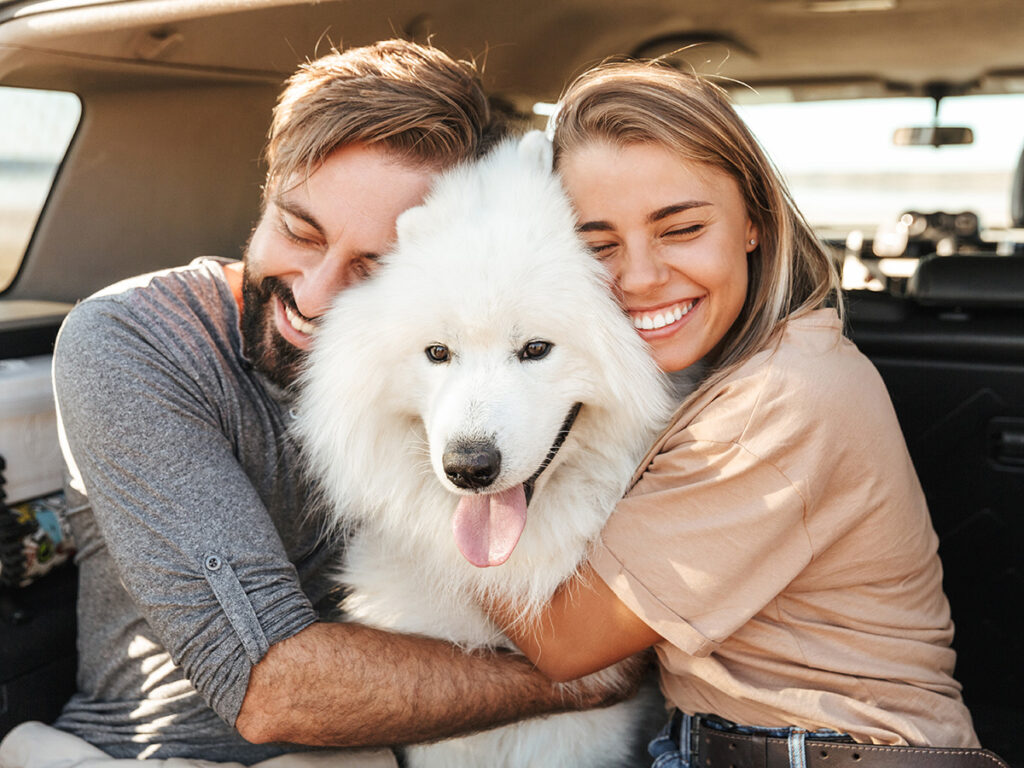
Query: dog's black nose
x=472, y=464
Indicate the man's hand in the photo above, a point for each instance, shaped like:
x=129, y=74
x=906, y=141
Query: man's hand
x=350, y=685
x=616, y=683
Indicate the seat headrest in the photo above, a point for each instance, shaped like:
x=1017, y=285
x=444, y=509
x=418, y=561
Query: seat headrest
x=969, y=281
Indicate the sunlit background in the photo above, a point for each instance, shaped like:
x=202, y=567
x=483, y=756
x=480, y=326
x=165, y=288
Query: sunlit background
x=838, y=158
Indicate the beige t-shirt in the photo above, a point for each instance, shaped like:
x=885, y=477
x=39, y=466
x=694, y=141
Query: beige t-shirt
x=779, y=541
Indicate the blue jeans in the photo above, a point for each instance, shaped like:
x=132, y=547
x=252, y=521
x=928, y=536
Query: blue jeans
x=673, y=746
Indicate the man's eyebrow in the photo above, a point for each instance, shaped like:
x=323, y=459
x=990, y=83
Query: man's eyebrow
x=298, y=211
x=668, y=210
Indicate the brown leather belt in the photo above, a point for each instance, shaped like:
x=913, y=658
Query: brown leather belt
x=725, y=749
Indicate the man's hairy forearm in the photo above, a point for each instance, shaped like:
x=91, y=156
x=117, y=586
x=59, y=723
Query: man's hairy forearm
x=350, y=685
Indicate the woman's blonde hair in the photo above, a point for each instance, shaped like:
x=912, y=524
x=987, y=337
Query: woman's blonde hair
x=414, y=100
x=633, y=102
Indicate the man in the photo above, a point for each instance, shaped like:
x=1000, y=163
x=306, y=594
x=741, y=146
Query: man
x=201, y=566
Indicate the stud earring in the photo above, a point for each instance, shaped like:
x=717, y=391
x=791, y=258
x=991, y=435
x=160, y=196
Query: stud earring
x=753, y=242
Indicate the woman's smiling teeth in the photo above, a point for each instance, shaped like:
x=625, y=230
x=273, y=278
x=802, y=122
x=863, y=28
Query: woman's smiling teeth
x=651, y=321
x=298, y=322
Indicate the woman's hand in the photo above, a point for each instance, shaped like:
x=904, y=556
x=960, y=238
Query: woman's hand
x=584, y=628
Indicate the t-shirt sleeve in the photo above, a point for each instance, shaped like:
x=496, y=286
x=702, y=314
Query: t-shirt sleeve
x=192, y=541
x=709, y=535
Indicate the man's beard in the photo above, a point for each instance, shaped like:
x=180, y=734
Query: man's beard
x=263, y=345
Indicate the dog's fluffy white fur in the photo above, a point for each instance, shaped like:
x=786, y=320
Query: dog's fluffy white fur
x=487, y=265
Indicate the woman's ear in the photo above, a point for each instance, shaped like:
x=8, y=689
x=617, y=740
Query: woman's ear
x=752, y=237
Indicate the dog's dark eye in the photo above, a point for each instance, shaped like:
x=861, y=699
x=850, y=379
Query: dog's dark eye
x=438, y=353
x=535, y=350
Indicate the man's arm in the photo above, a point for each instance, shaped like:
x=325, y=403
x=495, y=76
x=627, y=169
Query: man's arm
x=351, y=685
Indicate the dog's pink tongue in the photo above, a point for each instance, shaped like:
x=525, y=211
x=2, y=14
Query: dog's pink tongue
x=488, y=526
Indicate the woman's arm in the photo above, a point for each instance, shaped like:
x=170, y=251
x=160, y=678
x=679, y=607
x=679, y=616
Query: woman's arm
x=584, y=628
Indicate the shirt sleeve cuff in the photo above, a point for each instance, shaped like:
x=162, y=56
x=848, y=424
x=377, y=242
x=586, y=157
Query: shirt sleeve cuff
x=646, y=606
x=222, y=672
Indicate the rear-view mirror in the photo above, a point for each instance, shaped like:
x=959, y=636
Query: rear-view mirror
x=932, y=136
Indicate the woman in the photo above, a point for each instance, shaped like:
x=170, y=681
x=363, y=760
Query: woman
x=776, y=549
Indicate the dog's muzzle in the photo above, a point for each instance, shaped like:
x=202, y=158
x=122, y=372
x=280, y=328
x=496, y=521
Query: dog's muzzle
x=487, y=526
x=475, y=464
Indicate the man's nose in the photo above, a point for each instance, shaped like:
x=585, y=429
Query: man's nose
x=318, y=283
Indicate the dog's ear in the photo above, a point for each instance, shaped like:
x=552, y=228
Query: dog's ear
x=407, y=222
x=535, y=149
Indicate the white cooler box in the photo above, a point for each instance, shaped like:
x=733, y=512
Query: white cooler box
x=28, y=429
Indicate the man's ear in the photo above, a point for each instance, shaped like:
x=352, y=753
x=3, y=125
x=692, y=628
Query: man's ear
x=535, y=149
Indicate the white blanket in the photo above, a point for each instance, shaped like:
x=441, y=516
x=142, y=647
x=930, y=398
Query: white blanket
x=35, y=745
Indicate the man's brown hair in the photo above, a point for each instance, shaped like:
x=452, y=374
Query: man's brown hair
x=414, y=100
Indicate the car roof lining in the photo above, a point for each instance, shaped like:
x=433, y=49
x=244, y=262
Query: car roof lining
x=533, y=46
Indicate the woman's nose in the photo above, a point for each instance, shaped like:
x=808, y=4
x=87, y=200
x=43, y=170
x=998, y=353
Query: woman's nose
x=641, y=270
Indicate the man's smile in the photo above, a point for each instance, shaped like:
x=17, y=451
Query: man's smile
x=299, y=322
x=294, y=327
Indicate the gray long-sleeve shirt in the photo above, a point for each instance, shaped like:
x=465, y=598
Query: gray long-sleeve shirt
x=197, y=550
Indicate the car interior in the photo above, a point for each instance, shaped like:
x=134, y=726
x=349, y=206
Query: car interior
x=166, y=104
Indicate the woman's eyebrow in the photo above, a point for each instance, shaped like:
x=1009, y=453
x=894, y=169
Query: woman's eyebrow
x=668, y=210
x=594, y=226
x=658, y=215
x=298, y=211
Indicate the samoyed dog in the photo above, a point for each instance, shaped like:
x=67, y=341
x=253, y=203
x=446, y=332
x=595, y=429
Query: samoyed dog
x=472, y=413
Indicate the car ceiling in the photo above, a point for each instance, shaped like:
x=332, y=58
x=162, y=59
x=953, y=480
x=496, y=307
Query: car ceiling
x=529, y=48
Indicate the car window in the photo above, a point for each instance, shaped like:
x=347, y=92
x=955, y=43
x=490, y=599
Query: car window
x=35, y=130
x=846, y=173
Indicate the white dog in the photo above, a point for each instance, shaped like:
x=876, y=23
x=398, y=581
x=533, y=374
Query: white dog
x=473, y=413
